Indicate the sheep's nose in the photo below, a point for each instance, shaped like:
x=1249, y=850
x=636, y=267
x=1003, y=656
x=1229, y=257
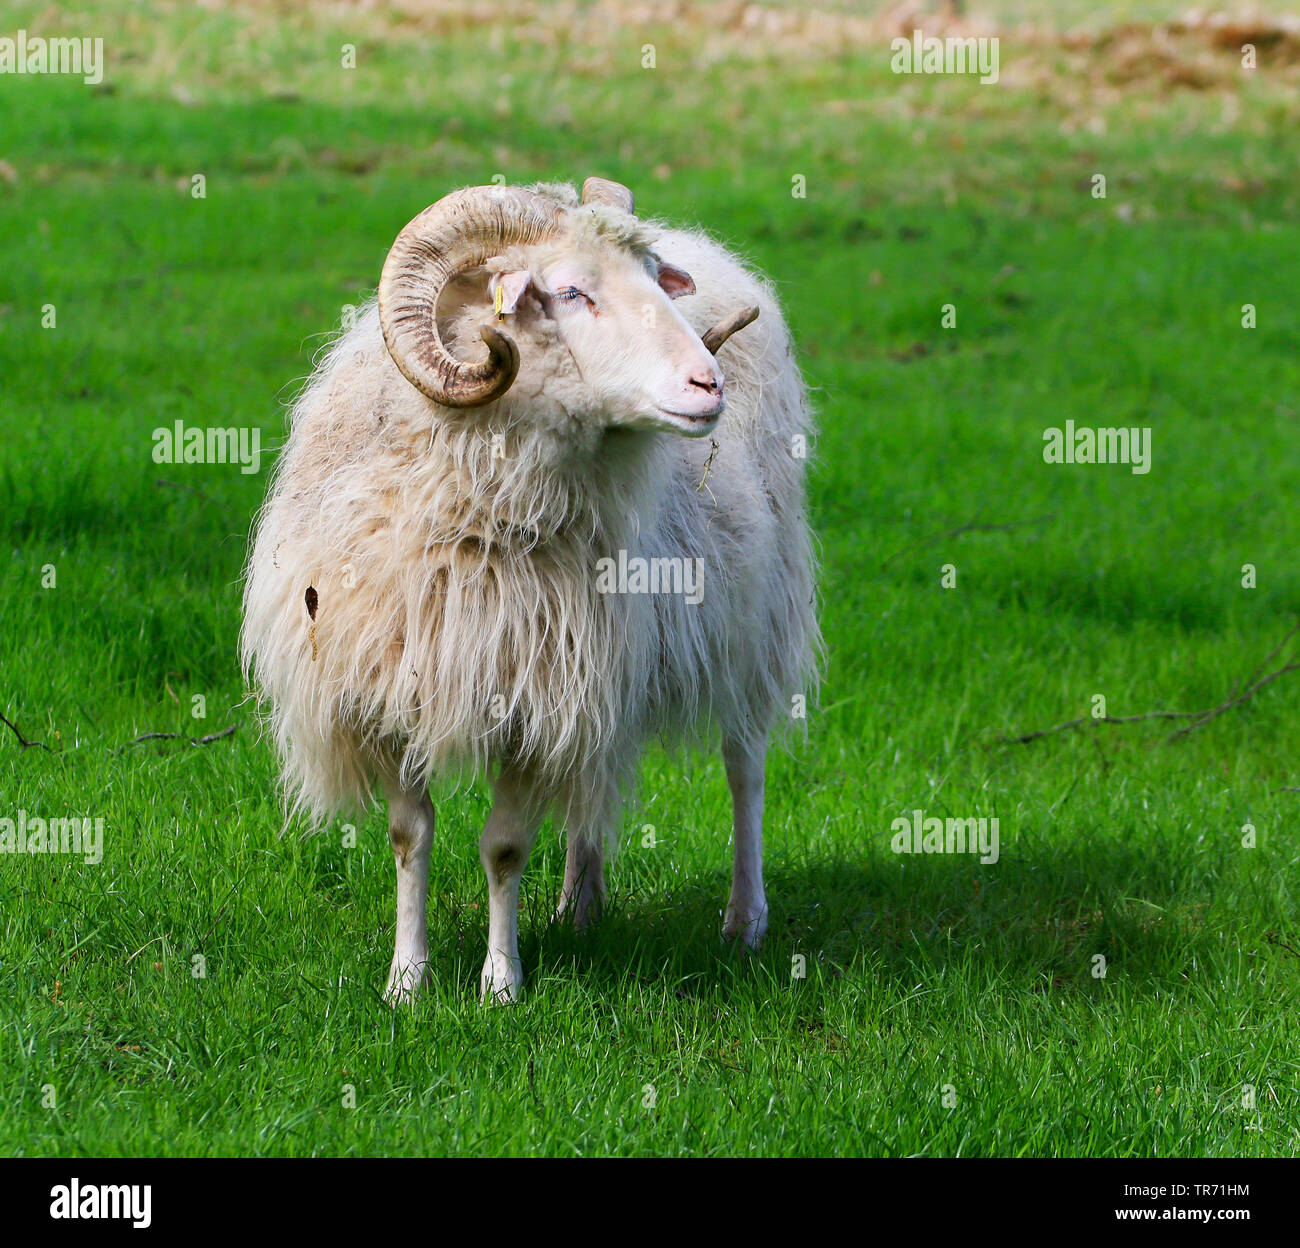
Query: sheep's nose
x=709, y=380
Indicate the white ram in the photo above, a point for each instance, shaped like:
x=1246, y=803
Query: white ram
x=434, y=585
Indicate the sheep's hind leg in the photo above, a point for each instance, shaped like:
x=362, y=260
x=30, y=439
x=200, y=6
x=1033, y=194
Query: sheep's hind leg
x=587, y=825
x=503, y=850
x=583, y=894
x=746, y=917
x=410, y=829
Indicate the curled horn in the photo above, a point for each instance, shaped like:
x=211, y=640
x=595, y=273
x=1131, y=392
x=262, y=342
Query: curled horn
x=459, y=232
x=715, y=337
x=603, y=191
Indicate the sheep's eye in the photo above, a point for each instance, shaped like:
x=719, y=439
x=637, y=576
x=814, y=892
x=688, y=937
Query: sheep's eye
x=569, y=293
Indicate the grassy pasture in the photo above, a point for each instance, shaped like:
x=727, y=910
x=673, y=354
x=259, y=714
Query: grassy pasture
x=119, y=595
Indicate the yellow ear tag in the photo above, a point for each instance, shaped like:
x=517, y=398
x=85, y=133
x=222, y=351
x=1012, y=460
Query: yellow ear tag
x=499, y=302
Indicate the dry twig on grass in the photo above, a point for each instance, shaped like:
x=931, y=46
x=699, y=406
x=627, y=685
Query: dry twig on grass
x=1242, y=691
x=971, y=526
x=22, y=740
x=180, y=736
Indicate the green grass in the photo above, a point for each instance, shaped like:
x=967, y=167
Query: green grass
x=921, y=973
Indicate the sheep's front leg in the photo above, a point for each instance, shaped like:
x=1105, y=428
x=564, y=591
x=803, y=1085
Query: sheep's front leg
x=746, y=917
x=503, y=850
x=410, y=829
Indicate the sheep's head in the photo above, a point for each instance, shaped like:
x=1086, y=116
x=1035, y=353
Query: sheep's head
x=573, y=292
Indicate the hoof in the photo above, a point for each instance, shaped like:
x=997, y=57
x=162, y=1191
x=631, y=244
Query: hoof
x=747, y=928
x=581, y=911
x=406, y=977
x=501, y=983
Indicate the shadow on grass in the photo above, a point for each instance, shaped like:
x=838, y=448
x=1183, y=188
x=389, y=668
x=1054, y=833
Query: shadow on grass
x=1039, y=919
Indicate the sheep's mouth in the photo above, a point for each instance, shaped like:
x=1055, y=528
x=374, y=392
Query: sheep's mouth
x=694, y=422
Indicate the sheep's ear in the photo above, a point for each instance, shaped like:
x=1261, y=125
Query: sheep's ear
x=511, y=287
x=675, y=282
